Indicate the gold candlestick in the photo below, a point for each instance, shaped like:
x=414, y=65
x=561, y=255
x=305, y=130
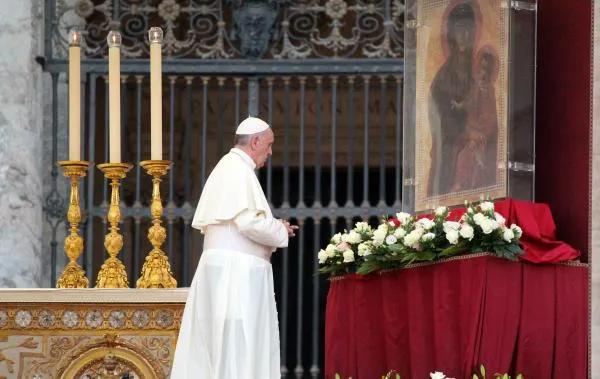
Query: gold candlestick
x=112, y=274
x=156, y=272
x=73, y=276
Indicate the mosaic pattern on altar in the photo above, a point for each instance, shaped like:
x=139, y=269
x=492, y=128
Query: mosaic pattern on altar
x=80, y=317
x=215, y=29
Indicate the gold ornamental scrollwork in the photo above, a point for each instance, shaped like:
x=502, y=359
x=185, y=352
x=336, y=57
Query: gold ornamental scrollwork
x=109, y=357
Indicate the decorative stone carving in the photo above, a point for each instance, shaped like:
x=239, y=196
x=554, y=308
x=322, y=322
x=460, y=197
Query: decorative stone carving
x=254, y=25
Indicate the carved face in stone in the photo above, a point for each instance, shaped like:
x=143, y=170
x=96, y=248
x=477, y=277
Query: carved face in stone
x=254, y=25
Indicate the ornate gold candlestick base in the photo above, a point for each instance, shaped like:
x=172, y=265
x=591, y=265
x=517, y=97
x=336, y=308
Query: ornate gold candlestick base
x=156, y=272
x=73, y=276
x=112, y=274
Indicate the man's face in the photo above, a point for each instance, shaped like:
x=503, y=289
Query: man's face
x=261, y=147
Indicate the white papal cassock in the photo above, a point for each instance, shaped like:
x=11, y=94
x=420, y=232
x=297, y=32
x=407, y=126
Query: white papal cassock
x=229, y=328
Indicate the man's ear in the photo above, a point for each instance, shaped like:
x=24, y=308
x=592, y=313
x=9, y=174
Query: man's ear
x=254, y=141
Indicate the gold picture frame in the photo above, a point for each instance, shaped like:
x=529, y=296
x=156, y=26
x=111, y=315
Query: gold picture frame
x=461, y=91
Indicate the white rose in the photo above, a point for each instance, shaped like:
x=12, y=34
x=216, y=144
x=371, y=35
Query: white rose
x=508, y=235
x=364, y=249
x=466, y=231
x=426, y=223
x=379, y=236
x=322, y=256
x=501, y=220
x=330, y=250
x=353, y=237
x=486, y=206
x=440, y=211
x=348, y=256
x=399, y=233
x=403, y=217
x=336, y=239
x=437, y=375
x=488, y=226
x=478, y=218
x=450, y=225
x=452, y=236
x=517, y=230
x=428, y=237
x=412, y=238
x=390, y=240
x=362, y=227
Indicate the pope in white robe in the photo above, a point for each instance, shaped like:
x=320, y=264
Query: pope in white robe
x=229, y=327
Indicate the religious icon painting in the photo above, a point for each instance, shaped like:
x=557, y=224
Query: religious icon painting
x=461, y=97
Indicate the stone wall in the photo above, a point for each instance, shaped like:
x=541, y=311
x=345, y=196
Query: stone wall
x=21, y=199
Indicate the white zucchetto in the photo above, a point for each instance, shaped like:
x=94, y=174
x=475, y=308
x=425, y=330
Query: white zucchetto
x=251, y=125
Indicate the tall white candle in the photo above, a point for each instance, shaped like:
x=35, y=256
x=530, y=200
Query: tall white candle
x=75, y=96
x=155, y=36
x=114, y=95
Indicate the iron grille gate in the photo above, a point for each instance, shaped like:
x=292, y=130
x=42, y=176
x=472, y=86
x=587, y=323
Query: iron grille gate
x=329, y=82
x=336, y=160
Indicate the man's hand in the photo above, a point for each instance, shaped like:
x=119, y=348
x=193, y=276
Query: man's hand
x=290, y=228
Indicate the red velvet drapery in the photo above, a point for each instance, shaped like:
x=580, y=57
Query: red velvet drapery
x=454, y=315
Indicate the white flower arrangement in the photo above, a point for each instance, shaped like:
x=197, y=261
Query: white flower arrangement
x=405, y=239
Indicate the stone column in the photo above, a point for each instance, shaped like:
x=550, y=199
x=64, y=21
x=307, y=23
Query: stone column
x=21, y=216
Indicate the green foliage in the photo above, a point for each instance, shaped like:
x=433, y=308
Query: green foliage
x=495, y=376
x=404, y=240
x=482, y=372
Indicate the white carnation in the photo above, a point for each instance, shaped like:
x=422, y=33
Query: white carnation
x=486, y=206
x=336, y=239
x=440, y=211
x=364, y=249
x=437, y=375
x=466, y=231
x=450, y=225
x=322, y=256
x=403, y=217
x=390, y=240
x=428, y=237
x=348, y=256
x=517, y=230
x=399, y=233
x=470, y=210
x=452, y=236
x=426, y=223
x=508, y=235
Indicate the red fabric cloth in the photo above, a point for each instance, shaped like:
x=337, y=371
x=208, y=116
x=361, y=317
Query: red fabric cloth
x=539, y=231
x=453, y=316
